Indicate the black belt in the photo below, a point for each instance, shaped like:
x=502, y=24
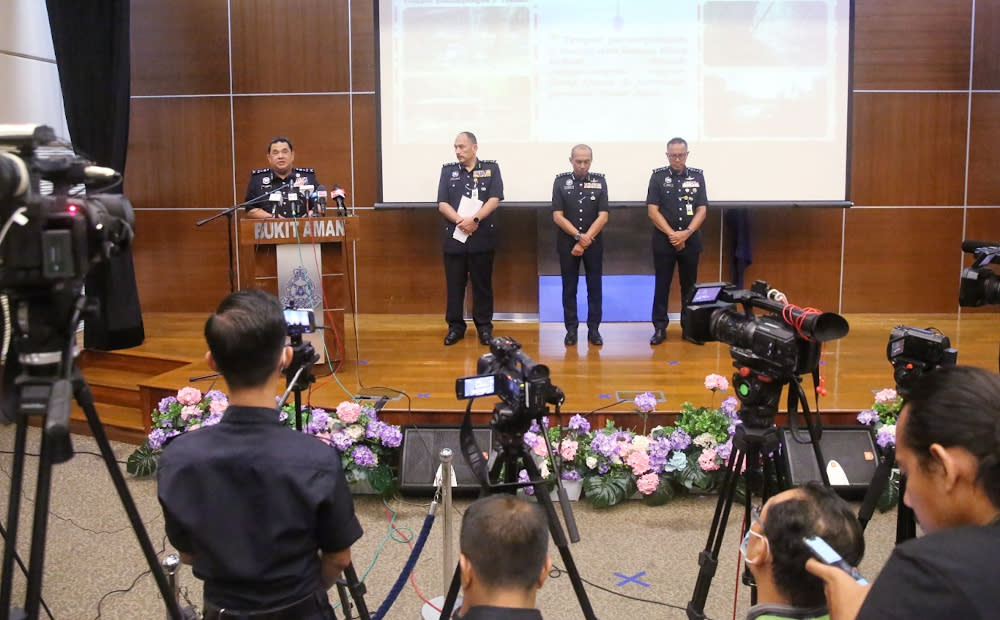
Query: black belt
x=291, y=611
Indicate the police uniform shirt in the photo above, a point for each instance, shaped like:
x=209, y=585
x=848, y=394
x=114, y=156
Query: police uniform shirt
x=264, y=180
x=678, y=195
x=482, y=183
x=580, y=200
x=255, y=501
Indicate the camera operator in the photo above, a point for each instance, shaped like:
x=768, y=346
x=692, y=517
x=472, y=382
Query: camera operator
x=504, y=559
x=776, y=554
x=261, y=512
x=948, y=445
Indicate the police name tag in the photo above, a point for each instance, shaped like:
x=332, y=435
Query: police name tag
x=691, y=184
x=690, y=209
x=591, y=186
x=275, y=197
x=478, y=174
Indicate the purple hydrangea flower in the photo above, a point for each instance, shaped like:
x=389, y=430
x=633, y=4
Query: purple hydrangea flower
x=535, y=428
x=363, y=456
x=374, y=429
x=156, y=439
x=531, y=438
x=579, y=425
x=724, y=450
x=522, y=476
x=604, y=444
x=341, y=441
x=679, y=439
x=282, y=415
x=659, y=452
x=319, y=421
x=164, y=404
x=603, y=468
x=570, y=474
x=730, y=406
x=645, y=402
x=868, y=416
x=216, y=395
x=886, y=436
x=212, y=420
x=391, y=436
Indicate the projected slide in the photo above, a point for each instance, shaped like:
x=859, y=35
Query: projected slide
x=759, y=89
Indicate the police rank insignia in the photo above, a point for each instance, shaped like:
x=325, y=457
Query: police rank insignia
x=478, y=174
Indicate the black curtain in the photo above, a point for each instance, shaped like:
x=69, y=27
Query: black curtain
x=91, y=41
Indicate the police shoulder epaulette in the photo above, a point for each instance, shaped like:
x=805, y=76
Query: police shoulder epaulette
x=449, y=163
x=695, y=170
x=563, y=174
x=661, y=169
x=304, y=169
x=597, y=174
x=260, y=171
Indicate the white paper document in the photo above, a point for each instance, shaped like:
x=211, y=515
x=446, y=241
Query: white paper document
x=467, y=208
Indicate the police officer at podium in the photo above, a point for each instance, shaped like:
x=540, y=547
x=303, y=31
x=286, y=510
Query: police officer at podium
x=279, y=177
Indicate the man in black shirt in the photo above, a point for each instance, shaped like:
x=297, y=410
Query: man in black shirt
x=677, y=204
x=279, y=177
x=261, y=512
x=580, y=211
x=504, y=559
x=469, y=191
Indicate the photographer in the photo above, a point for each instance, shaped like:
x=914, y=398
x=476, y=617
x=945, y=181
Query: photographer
x=775, y=552
x=948, y=445
x=504, y=559
x=261, y=512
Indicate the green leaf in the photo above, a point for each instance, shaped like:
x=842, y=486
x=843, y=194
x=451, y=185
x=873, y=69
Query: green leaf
x=663, y=493
x=142, y=462
x=890, y=496
x=382, y=480
x=607, y=490
x=694, y=478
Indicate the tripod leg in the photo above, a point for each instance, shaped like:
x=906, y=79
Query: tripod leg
x=357, y=590
x=13, y=511
x=43, y=492
x=86, y=401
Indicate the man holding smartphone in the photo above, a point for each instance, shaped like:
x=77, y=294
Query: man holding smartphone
x=775, y=550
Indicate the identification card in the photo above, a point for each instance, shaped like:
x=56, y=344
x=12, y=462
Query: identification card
x=690, y=209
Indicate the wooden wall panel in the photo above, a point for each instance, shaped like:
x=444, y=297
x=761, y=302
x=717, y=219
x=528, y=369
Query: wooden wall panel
x=179, y=267
x=986, y=60
x=909, y=149
x=179, y=47
x=912, y=44
x=365, y=187
x=180, y=153
x=902, y=260
x=797, y=251
x=290, y=46
x=363, y=71
x=984, y=154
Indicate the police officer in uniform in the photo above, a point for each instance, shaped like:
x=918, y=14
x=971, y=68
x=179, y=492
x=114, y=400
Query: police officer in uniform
x=471, y=250
x=677, y=204
x=580, y=211
x=281, y=174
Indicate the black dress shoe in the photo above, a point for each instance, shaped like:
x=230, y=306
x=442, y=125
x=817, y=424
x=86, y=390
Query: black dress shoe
x=659, y=337
x=570, y=338
x=485, y=336
x=594, y=338
x=453, y=336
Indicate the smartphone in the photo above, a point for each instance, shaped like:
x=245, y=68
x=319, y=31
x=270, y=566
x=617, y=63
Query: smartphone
x=828, y=555
x=301, y=321
x=474, y=387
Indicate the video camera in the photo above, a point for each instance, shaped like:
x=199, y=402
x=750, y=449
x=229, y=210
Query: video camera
x=980, y=285
x=518, y=381
x=781, y=344
x=914, y=352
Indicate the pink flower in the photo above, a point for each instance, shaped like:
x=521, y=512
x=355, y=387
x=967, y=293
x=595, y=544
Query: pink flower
x=567, y=449
x=189, y=396
x=707, y=460
x=648, y=483
x=218, y=406
x=540, y=448
x=885, y=396
x=190, y=411
x=349, y=411
x=639, y=462
x=716, y=382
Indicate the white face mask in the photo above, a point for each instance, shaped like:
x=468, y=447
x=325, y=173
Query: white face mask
x=746, y=543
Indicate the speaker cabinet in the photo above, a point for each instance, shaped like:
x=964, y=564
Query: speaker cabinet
x=420, y=457
x=852, y=447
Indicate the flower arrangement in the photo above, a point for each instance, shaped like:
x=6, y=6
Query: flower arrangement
x=365, y=443
x=882, y=418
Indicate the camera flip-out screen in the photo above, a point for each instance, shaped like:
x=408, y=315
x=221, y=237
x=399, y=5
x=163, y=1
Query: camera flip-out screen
x=474, y=387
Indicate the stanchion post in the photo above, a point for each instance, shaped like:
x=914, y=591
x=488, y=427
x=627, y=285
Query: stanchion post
x=448, y=555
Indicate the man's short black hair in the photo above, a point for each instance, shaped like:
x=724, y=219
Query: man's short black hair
x=246, y=336
x=815, y=511
x=280, y=139
x=468, y=134
x=506, y=540
x=678, y=141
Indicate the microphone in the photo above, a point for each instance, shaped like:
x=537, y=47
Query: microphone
x=971, y=246
x=319, y=201
x=338, y=194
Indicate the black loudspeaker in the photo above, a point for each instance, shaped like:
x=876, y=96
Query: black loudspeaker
x=852, y=447
x=420, y=458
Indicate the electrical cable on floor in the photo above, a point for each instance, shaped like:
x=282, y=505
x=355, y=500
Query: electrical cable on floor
x=100, y=601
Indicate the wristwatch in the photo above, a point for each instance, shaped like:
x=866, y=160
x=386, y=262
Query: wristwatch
x=475, y=219
x=576, y=237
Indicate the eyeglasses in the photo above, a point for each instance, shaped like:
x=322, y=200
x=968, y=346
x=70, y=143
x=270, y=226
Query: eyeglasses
x=677, y=155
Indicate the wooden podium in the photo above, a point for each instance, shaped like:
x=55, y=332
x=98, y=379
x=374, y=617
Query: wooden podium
x=324, y=245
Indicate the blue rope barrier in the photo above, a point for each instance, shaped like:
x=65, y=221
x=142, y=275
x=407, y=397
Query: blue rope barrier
x=418, y=547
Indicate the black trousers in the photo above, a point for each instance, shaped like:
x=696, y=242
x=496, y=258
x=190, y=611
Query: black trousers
x=477, y=269
x=569, y=268
x=663, y=264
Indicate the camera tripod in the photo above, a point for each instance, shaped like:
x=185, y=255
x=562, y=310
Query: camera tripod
x=42, y=357
x=755, y=444
x=511, y=457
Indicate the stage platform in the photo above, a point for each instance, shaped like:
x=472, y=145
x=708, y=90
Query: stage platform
x=402, y=356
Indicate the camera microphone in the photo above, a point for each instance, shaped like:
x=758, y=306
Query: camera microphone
x=319, y=200
x=970, y=246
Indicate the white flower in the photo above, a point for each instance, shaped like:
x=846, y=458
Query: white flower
x=355, y=431
x=705, y=440
x=641, y=443
x=543, y=469
x=592, y=462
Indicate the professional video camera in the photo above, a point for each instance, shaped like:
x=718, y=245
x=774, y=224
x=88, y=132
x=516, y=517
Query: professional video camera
x=980, y=285
x=914, y=352
x=784, y=343
x=521, y=383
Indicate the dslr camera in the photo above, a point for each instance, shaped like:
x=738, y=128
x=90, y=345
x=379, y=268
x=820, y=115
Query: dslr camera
x=980, y=285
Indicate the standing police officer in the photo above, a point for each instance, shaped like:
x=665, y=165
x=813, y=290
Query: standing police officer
x=469, y=191
x=677, y=204
x=280, y=156
x=580, y=210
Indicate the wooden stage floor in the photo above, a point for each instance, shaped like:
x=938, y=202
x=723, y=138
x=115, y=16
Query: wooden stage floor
x=405, y=353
